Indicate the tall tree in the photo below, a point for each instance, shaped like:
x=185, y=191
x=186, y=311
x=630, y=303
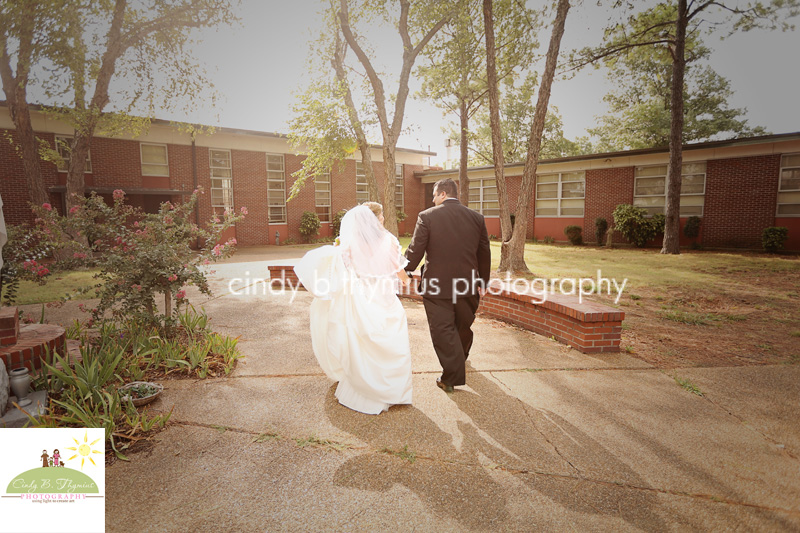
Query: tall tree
x=327, y=125
x=26, y=37
x=512, y=254
x=639, y=104
x=454, y=76
x=424, y=19
x=672, y=33
x=142, y=47
x=516, y=117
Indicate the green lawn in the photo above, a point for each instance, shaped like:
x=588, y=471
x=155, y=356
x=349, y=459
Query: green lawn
x=59, y=284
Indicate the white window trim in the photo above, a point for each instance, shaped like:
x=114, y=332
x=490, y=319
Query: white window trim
x=365, y=183
x=212, y=178
x=481, y=187
x=666, y=187
x=779, y=204
x=283, y=180
x=401, y=185
x=142, y=163
x=558, y=198
x=330, y=198
x=88, y=154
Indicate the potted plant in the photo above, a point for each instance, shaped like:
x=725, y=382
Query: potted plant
x=140, y=392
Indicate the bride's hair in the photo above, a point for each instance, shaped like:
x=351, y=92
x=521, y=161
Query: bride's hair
x=375, y=207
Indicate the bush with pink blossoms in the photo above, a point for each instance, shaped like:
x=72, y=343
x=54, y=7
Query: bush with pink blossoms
x=140, y=256
x=24, y=257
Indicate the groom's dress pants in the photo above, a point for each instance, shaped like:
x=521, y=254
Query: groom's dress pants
x=450, y=325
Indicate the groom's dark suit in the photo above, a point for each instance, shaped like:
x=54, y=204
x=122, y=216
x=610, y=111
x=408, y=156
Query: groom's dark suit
x=455, y=243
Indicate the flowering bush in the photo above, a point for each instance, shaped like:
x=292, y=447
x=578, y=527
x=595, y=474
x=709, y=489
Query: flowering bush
x=22, y=260
x=139, y=255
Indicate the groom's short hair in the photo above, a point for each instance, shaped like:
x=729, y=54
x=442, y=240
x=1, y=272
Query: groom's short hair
x=447, y=185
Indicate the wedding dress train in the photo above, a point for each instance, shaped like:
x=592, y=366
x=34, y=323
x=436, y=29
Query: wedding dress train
x=359, y=330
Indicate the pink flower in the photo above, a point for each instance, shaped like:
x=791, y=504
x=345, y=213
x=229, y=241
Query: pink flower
x=118, y=195
x=216, y=219
x=206, y=261
x=82, y=307
x=168, y=220
x=136, y=224
x=217, y=251
x=79, y=255
x=232, y=241
x=47, y=207
x=43, y=272
x=243, y=210
x=136, y=287
x=74, y=209
x=180, y=295
x=173, y=277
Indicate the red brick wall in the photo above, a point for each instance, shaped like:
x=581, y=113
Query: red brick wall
x=741, y=199
x=605, y=190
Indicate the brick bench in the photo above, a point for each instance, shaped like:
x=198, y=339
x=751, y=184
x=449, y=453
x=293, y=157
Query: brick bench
x=589, y=327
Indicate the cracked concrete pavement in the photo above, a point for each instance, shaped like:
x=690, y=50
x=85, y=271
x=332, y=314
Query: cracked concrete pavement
x=542, y=437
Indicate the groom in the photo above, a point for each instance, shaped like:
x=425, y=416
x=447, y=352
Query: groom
x=455, y=243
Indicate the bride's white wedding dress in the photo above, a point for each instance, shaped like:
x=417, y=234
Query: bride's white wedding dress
x=359, y=331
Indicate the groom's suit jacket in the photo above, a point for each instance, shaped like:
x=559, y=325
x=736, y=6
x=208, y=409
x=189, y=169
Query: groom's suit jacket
x=455, y=243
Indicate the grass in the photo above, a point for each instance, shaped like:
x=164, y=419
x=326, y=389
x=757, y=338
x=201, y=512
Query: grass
x=688, y=385
x=402, y=454
x=315, y=442
x=60, y=284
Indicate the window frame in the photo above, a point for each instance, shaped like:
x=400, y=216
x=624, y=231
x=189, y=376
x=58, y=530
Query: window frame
x=142, y=162
x=270, y=206
x=399, y=186
x=666, y=185
x=781, y=191
x=364, y=184
x=481, y=200
x=229, y=179
x=560, y=193
x=87, y=169
x=329, y=191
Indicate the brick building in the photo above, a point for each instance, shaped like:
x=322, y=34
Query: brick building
x=737, y=187
x=236, y=168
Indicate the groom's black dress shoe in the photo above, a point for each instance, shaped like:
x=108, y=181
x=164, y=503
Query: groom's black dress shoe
x=444, y=386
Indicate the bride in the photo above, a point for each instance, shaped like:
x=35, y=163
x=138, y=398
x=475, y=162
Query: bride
x=359, y=331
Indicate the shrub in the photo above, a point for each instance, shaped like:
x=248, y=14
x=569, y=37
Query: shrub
x=600, y=229
x=574, y=234
x=548, y=239
x=22, y=260
x=309, y=225
x=634, y=225
x=139, y=255
x=401, y=215
x=773, y=238
x=337, y=222
x=692, y=227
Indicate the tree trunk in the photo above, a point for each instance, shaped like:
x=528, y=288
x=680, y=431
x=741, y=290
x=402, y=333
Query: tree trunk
x=29, y=148
x=513, y=253
x=672, y=228
x=463, y=176
x=76, y=184
x=494, y=121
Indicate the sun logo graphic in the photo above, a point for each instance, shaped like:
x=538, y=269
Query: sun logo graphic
x=84, y=450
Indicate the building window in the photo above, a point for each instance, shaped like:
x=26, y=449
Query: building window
x=399, y=187
x=362, y=189
x=221, y=178
x=322, y=193
x=650, y=189
x=276, y=189
x=63, y=143
x=560, y=195
x=154, y=159
x=483, y=197
x=789, y=186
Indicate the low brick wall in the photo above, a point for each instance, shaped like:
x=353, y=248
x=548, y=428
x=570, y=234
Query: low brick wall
x=589, y=327
x=30, y=347
x=9, y=326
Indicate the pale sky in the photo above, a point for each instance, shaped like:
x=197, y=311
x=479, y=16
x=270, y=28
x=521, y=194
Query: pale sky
x=258, y=66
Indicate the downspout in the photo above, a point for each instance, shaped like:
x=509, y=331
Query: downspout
x=194, y=180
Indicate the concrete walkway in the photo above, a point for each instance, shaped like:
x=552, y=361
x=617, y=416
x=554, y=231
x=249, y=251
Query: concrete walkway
x=541, y=438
